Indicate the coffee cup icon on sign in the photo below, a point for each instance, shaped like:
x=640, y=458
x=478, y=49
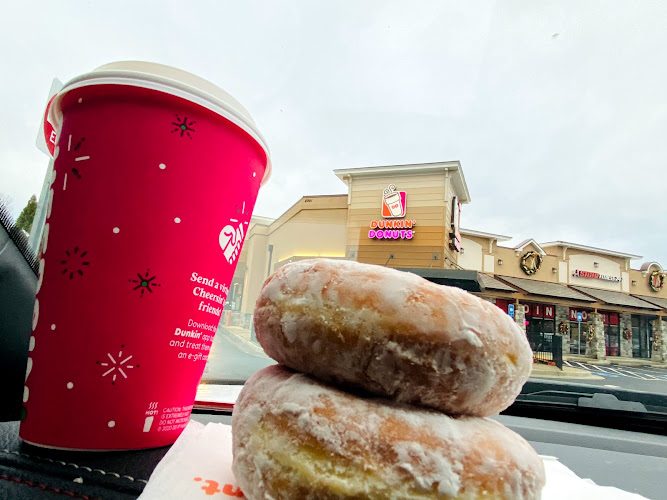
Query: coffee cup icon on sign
x=394, y=201
x=230, y=241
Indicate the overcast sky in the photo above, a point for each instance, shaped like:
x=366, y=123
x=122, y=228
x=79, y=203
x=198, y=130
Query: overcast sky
x=557, y=110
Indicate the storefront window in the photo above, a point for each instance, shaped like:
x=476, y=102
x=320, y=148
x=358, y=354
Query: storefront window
x=612, y=334
x=549, y=329
x=579, y=323
x=642, y=336
x=540, y=326
x=578, y=337
x=233, y=302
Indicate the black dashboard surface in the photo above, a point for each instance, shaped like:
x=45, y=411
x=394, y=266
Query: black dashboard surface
x=631, y=461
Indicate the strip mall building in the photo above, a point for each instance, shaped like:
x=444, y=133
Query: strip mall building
x=407, y=217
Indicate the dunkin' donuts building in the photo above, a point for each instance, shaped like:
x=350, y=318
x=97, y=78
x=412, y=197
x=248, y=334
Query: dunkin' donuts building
x=407, y=217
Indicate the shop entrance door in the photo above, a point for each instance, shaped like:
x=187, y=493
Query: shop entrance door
x=534, y=332
x=642, y=336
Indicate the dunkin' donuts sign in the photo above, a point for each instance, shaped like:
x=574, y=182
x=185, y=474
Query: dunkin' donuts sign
x=394, y=206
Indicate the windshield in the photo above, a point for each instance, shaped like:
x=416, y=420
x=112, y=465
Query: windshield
x=511, y=150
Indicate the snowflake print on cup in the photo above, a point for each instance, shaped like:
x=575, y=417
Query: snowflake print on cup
x=144, y=283
x=114, y=365
x=74, y=263
x=74, y=148
x=183, y=126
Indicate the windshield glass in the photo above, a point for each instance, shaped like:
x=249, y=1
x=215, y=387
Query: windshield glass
x=511, y=150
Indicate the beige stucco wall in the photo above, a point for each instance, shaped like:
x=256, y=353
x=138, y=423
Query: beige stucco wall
x=314, y=233
x=256, y=246
x=314, y=226
x=586, y=262
x=472, y=256
x=511, y=265
x=642, y=287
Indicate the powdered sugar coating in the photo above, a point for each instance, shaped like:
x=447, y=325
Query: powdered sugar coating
x=393, y=334
x=294, y=437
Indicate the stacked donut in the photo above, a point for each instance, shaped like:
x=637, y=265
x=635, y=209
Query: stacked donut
x=381, y=392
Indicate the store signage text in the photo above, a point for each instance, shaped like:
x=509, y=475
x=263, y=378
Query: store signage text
x=394, y=206
x=595, y=276
x=538, y=311
x=574, y=313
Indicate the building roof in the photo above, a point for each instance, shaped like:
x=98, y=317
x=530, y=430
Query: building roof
x=481, y=234
x=647, y=265
x=490, y=283
x=615, y=298
x=453, y=167
x=525, y=243
x=546, y=288
x=657, y=301
x=264, y=221
x=467, y=280
x=586, y=248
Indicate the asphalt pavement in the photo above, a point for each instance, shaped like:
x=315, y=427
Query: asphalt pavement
x=233, y=358
x=636, y=378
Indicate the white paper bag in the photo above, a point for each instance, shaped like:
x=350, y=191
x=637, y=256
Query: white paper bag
x=199, y=465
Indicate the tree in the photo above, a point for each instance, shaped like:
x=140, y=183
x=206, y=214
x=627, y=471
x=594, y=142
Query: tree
x=27, y=215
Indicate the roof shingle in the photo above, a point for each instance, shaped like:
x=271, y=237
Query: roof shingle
x=616, y=298
x=546, y=288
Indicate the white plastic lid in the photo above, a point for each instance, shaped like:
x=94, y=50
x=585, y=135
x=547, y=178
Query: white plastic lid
x=171, y=81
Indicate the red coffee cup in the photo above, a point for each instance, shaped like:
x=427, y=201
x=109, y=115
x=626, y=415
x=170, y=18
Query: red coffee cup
x=155, y=178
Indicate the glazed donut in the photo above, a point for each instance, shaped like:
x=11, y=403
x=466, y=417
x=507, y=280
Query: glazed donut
x=294, y=437
x=393, y=334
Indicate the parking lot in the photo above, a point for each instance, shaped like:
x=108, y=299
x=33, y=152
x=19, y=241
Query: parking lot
x=615, y=371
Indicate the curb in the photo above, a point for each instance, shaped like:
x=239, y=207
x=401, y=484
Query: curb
x=566, y=373
x=625, y=362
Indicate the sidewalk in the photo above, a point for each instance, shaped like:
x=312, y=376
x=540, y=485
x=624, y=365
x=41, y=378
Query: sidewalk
x=545, y=371
x=238, y=331
x=614, y=360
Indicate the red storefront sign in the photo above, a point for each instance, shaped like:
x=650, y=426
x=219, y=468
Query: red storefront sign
x=531, y=310
x=549, y=312
x=503, y=303
x=609, y=318
x=573, y=315
x=539, y=311
x=536, y=310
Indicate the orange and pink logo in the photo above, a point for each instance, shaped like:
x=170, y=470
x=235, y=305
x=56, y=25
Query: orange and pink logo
x=393, y=203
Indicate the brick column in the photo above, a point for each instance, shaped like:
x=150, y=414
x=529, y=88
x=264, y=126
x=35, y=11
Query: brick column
x=626, y=345
x=596, y=348
x=520, y=317
x=563, y=316
x=659, y=341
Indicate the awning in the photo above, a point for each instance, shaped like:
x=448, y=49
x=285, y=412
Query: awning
x=546, y=289
x=616, y=298
x=490, y=283
x=657, y=301
x=467, y=280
